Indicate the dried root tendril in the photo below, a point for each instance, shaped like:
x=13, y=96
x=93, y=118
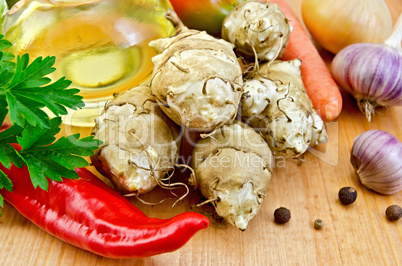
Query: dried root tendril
x=171, y=186
x=136, y=195
x=367, y=107
x=209, y=134
x=253, y=69
x=139, y=166
x=192, y=175
x=182, y=69
x=217, y=199
x=159, y=182
x=284, y=98
x=144, y=110
x=207, y=201
x=300, y=160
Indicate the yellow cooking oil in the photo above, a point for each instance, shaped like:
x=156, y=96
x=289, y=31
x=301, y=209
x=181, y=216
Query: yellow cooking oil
x=101, y=46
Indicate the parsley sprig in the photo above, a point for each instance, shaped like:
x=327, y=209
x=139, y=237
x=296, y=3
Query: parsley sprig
x=25, y=90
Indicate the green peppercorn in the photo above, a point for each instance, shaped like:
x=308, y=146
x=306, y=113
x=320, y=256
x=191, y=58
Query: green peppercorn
x=347, y=195
x=282, y=215
x=393, y=213
x=318, y=224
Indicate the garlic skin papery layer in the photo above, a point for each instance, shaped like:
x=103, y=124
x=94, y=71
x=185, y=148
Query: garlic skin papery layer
x=376, y=155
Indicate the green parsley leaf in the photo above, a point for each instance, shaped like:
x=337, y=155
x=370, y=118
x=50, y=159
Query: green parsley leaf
x=8, y=154
x=46, y=158
x=5, y=44
x=7, y=66
x=26, y=89
x=5, y=182
x=3, y=111
x=36, y=136
x=1, y=202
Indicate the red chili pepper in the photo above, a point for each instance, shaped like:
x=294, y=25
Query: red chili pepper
x=88, y=214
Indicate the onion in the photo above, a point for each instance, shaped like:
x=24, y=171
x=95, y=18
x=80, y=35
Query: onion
x=335, y=24
x=372, y=73
x=376, y=155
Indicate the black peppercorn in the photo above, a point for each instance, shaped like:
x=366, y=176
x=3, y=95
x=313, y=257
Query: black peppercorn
x=282, y=215
x=393, y=212
x=347, y=195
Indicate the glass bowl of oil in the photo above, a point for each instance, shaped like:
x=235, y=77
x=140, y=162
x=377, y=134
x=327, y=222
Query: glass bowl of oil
x=100, y=45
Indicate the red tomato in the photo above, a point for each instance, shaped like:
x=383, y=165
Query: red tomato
x=205, y=15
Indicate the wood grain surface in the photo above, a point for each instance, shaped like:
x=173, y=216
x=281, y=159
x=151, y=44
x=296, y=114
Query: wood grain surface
x=358, y=234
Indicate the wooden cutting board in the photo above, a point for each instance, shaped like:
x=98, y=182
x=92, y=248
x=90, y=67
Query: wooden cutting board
x=358, y=234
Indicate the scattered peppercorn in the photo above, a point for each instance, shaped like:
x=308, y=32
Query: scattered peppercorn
x=393, y=212
x=318, y=224
x=347, y=195
x=282, y=215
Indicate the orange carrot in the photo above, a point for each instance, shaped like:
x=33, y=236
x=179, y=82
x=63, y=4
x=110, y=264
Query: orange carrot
x=320, y=85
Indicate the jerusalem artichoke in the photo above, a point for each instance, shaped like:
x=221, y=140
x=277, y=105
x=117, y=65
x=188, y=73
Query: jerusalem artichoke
x=275, y=103
x=139, y=146
x=196, y=78
x=257, y=29
x=233, y=168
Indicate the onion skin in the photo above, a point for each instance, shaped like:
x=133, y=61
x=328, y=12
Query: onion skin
x=376, y=155
x=372, y=73
x=335, y=24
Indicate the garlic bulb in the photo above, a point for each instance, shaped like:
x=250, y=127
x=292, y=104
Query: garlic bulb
x=337, y=24
x=376, y=155
x=372, y=73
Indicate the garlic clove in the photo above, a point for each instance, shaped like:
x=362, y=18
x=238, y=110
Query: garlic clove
x=376, y=156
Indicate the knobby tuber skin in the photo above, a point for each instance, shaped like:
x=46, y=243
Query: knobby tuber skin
x=197, y=78
x=233, y=166
x=139, y=144
x=257, y=29
x=276, y=104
